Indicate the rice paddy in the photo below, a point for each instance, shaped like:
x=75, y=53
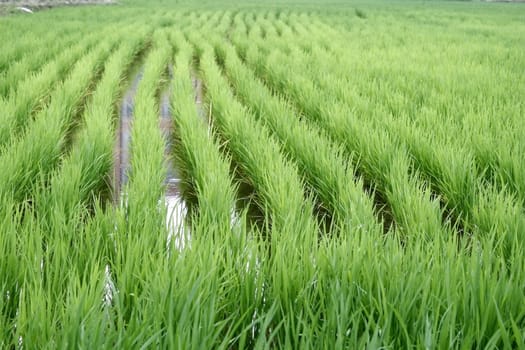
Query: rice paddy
x=256, y=175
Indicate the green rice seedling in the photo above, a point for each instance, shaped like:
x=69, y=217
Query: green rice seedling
x=282, y=28
x=64, y=283
x=194, y=22
x=208, y=175
x=15, y=50
x=469, y=109
x=454, y=181
x=268, y=26
x=11, y=280
x=387, y=312
x=478, y=128
x=254, y=31
x=46, y=271
x=225, y=23
x=203, y=296
x=487, y=247
x=239, y=23
x=217, y=21
x=454, y=184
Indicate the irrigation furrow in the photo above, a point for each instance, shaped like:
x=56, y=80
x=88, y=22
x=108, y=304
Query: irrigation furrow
x=142, y=234
x=122, y=146
x=83, y=172
x=199, y=96
x=178, y=230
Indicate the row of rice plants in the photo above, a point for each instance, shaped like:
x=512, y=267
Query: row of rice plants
x=33, y=93
x=321, y=162
x=287, y=265
x=284, y=198
x=219, y=22
x=450, y=169
x=473, y=113
x=470, y=116
x=67, y=259
x=334, y=85
x=206, y=172
x=35, y=313
x=409, y=301
x=491, y=316
x=505, y=223
x=383, y=166
x=186, y=290
x=460, y=90
x=214, y=226
x=71, y=287
x=340, y=291
x=30, y=63
x=205, y=21
x=208, y=292
x=37, y=283
x=239, y=23
x=25, y=42
x=34, y=154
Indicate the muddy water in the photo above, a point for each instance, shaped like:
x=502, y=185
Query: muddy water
x=122, y=157
x=109, y=287
x=121, y=168
x=199, y=97
x=176, y=209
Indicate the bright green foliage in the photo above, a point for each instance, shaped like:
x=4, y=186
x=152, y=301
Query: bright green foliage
x=198, y=155
x=353, y=173
x=320, y=161
x=34, y=91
